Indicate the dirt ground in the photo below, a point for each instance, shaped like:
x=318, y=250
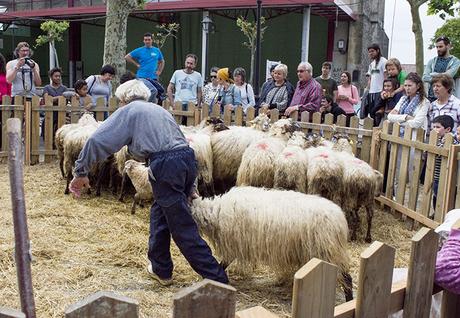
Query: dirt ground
x=91, y=244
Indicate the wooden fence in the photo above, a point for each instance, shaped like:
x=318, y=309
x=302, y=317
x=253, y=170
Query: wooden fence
x=400, y=160
x=378, y=147
x=313, y=295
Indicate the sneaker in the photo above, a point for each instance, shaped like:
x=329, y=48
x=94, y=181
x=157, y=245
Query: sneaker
x=162, y=281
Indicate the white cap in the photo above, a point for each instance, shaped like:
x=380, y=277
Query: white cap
x=451, y=217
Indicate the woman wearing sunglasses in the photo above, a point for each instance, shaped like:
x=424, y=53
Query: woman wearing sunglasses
x=211, y=90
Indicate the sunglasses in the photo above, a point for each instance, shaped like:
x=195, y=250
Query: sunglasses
x=213, y=76
x=300, y=71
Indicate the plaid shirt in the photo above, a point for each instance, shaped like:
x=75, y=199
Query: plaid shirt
x=451, y=108
x=308, y=96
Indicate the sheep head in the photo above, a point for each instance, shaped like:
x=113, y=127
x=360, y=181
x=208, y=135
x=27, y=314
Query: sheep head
x=298, y=138
x=261, y=122
x=313, y=140
x=202, y=212
x=378, y=183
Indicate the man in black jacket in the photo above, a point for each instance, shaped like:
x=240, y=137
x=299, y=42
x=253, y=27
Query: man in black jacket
x=329, y=107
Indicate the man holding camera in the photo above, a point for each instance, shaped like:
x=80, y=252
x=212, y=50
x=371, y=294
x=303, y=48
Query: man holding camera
x=23, y=73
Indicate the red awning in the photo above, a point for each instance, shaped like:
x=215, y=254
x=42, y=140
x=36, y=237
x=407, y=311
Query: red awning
x=328, y=8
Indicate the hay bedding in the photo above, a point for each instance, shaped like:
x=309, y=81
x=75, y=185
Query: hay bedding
x=83, y=246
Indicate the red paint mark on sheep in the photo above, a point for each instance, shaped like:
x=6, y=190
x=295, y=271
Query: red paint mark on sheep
x=189, y=139
x=288, y=154
x=359, y=162
x=323, y=155
x=262, y=146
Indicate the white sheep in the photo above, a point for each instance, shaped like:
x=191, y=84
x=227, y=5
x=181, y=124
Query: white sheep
x=361, y=185
x=280, y=229
x=291, y=165
x=324, y=173
x=139, y=176
x=85, y=119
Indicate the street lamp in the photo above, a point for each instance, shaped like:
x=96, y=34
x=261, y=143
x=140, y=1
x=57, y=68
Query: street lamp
x=208, y=26
x=13, y=28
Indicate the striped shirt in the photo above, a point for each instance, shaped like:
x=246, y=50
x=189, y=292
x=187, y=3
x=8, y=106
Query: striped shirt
x=308, y=96
x=438, y=159
x=451, y=108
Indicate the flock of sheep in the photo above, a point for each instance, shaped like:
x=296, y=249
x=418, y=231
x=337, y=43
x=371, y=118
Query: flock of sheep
x=244, y=174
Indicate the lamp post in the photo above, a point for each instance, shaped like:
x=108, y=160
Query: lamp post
x=207, y=24
x=13, y=28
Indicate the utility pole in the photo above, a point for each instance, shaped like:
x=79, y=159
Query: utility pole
x=258, y=53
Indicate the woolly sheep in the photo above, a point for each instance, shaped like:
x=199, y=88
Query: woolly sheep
x=139, y=176
x=361, y=185
x=86, y=119
x=291, y=165
x=280, y=229
x=324, y=173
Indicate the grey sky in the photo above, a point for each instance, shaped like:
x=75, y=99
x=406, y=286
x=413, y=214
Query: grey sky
x=402, y=44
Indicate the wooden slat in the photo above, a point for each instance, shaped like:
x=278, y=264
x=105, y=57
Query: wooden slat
x=428, y=183
x=414, y=183
x=206, y=299
x=197, y=117
x=294, y=115
x=375, y=277
x=191, y=119
x=61, y=112
x=255, y=312
x=375, y=148
x=250, y=113
x=450, y=307
x=416, y=144
x=204, y=111
x=11, y=313
x=449, y=201
x=216, y=111
x=305, y=117
x=412, y=214
x=6, y=114
x=367, y=140
x=392, y=165
x=316, y=120
x=274, y=115
x=48, y=132
x=354, y=123
x=100, y=103
x=344, y=130
x=439, y=212
x=177, y=107
x=239, y=116
x=403, y=169
x=383, y=147
x=314, y=290
x=228, y=115
x=420, y=278
x=35, y=130
x=113, y=105
x=342, y=120
x=328, y=120
x=27, y=139
x=75, y=104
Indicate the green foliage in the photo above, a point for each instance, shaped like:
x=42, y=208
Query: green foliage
x=249, y=29
x=54, y=31
x=443, y=8
x=451, y=30
x=164, y=32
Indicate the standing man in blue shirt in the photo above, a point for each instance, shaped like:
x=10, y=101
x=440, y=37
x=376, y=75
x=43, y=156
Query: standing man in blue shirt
x=148, y=59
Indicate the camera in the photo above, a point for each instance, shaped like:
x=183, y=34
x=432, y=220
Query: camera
x=29, y=61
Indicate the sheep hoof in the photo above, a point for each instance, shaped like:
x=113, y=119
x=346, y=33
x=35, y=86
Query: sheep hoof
x=66, y=191
x=368, y=239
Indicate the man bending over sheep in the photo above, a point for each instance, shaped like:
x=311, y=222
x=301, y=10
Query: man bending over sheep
x=151, y=132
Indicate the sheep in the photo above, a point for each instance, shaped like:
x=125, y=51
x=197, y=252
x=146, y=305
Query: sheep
x=280, y=229
x=361, y=185
x=324, y=173
x=339, y=142
x=86, y=119
x=74, y=141
x=291, y=165
x=139, y=176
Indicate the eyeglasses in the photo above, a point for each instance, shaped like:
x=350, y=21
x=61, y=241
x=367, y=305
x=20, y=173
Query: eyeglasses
x=300, y=71
x=213, y=76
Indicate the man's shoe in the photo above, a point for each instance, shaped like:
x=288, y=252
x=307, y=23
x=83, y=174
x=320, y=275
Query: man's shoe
x=162, y=281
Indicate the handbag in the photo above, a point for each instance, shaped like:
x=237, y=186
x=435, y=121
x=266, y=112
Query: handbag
x=364, y=110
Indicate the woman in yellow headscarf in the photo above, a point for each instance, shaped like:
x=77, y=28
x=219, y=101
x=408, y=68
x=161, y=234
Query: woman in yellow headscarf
x=228, y=94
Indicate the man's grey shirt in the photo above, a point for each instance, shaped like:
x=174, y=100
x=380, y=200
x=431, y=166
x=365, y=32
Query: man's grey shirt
x=145, y=127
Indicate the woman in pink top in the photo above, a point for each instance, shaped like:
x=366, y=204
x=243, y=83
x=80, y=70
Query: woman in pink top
x=348, y=95
x=5, y=88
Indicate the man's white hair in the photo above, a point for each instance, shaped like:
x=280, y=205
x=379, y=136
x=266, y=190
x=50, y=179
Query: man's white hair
x=131, y=90
x=307, y=66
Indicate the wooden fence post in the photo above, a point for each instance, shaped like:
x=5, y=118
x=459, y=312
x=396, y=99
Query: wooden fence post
x=354, y=123
x=250, y=114
x=206, y=299
x=404, y=166
x=239, y=116
x=228, y=115
x=48, y=129
x=428, y=182
x=104, y=305
x=313, y=294
x=367, y=140
x=26, y=133
x=215, y=111
x=449, y=202
x=191, y=107
x=415, y=183
x=274, y=115
x=35, y=130
x=420, y=279
x=254, y=312
x=375, y=278
x=442, y=182
x=62, y=102
x=178, y=106
x=375, y=148
x=11, y=313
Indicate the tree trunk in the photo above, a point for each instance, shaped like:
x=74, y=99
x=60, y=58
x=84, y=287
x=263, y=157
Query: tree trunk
x=418, y=32
x=115, y=34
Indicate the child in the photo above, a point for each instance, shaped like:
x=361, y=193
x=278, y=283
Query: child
x=394, y=70
x=443, y=125
x=389, y=99
x=81, y=91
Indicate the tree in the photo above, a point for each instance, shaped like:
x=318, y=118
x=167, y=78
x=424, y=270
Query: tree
x=418, y=32
x=449, y=29
x=164, y=32
x=443, y=8
x=116, y=23
x=249, y=29
x=54, y=31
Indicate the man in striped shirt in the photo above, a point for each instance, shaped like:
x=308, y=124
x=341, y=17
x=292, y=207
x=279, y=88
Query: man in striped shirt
x=308, y=93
